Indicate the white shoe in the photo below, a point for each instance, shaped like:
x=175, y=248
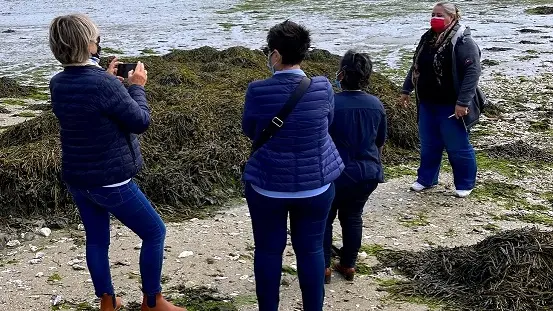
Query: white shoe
x=417, y=187
x=463, y=193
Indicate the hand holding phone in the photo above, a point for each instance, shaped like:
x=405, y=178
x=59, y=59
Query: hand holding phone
x=138, y=75
x=124, y=68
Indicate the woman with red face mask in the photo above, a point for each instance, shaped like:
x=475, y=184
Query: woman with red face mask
x=444, y=76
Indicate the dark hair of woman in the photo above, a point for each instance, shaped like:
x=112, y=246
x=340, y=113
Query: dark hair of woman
x=356, y=69
x=291, y=40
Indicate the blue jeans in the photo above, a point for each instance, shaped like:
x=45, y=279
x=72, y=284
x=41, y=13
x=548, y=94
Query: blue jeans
x=348, y=206
x=129, y=205
x=307, y=225
x=437, y=131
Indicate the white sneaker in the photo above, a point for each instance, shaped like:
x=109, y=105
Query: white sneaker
x=463, y=193
x=417, y=187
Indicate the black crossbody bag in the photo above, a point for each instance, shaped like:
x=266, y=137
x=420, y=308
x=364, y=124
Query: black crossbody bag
x=278, y=121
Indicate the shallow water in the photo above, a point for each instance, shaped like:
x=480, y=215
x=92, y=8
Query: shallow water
x=388, y=29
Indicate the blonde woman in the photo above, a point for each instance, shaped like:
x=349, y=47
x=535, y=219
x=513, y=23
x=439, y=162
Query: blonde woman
x=444, y=75
x=99, y=122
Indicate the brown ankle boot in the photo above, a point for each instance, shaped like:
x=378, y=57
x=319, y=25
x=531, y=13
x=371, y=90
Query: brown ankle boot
x=161, y=305
x=110, y=303
x=328, y=275
x=348, y=273
x=144, y=306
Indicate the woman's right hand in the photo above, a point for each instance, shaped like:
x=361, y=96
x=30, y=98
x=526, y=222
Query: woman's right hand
x=404, y=100
x=139, y=75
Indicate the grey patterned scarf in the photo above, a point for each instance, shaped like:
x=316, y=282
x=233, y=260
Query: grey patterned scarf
x=440, y=41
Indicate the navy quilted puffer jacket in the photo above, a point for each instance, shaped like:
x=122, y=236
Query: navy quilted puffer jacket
x=99, y=119
x=301, y=156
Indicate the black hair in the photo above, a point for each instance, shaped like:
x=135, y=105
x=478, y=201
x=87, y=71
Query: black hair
x=291, y=40
x=357, y=69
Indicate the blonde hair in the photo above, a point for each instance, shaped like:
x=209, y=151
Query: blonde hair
x=450, y=9
x=70, y=37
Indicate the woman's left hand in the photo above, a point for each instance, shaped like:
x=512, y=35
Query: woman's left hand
x=461, y=111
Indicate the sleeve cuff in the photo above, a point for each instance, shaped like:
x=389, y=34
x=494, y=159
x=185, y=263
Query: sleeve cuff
x=463, y=104
x=136, y=86
x=405, y=92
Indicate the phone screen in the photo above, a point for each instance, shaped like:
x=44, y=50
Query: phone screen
x=123, y=70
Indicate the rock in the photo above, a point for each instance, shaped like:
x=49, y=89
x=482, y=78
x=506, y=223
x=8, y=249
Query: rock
x=138, y=246
x=186, y=254
x=74, y=262
x=33, y=248
x=78, y=267
x=35, y=261
x=529, y=42
x=286, y=281
x=3, y=241
x=13, y=243
x=498, y=49
x=80, y=227
x=39, y=275
x=56, y=300
x=9, y=30
x=29, y=236
x=45, y=232
x=363, y=255
x=59, y=223
x=529, y=30
x=40, y=255
x=122, y=263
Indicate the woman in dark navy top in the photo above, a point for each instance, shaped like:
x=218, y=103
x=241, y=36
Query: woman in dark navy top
x=359, y=132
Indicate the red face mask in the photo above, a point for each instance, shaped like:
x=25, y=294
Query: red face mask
x=438, y=24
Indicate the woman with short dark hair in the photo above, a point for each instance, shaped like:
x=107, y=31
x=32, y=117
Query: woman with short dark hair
x=291, y=173
x=359, y=132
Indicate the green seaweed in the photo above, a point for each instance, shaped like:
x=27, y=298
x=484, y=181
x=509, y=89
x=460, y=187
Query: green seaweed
x=391, y=286
x=108, y=50
x=13, y=102
x=289, y=270
x=148, y=51
x=25, y=114
x=371, y=249
x=418, y=220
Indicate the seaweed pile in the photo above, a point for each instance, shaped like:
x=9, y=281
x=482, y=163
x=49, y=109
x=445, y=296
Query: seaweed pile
x=194, y=149
x=10, y=88
x=520, y=151
x=511, y=271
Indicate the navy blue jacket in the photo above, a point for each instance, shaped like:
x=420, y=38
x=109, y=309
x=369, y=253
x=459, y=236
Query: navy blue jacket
x=301, y=155
x=99, y=119
x=359, y=130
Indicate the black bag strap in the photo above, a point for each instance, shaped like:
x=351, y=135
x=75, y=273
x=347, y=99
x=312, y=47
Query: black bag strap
x=278, y=121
